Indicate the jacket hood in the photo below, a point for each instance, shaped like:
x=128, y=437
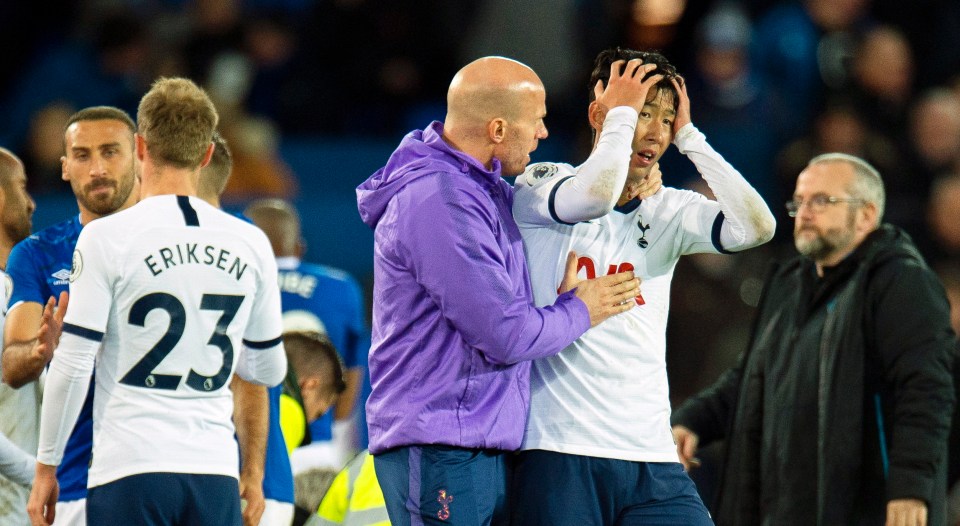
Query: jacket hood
x=421, y=152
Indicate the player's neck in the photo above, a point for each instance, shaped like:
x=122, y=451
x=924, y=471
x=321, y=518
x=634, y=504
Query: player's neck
x=5, y=247
x=168, y=180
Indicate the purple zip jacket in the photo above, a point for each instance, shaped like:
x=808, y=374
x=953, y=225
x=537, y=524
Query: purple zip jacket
x=454, y=323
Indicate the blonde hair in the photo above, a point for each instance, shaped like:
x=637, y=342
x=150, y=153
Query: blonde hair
x=214, y=176
x=176, y=119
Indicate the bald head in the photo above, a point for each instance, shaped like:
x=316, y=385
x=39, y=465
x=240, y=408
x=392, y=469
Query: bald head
x=16, y=205
x=487, y=88
x=10, y=166
x=280, y=222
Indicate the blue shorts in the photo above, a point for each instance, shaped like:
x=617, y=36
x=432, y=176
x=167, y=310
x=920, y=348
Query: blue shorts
x=166, y=499
x=555, y=489
x=444, y=485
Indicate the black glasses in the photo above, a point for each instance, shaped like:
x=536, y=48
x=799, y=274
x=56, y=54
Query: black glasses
x=818, y=203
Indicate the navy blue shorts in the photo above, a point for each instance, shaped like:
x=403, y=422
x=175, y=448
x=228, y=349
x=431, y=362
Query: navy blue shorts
x=555, y=489
x=444, y=485
x=166, y=499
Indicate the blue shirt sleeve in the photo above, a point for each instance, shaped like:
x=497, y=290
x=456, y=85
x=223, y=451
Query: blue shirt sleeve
x=28, y=282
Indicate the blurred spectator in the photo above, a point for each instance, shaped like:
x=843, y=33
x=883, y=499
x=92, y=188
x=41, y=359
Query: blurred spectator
x=883, y=76
x=216, y=33
x=943, y=216
x=107, y=67
x=363, y=65
x=935, y=131
x=800, y=48
x=258, y=169
x=44, y=147
x=732, y=102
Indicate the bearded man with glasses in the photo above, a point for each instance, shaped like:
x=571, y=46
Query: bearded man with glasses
x=839, y=410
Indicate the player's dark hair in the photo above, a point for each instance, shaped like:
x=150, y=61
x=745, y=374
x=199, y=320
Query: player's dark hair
x=100, y=113
x=601, y=68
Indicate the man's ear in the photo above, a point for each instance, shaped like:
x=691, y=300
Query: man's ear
x=63, y=168
x=497, y=130
x=868, y=217
x=207, y=155
x=596, y=114
x=140, y=146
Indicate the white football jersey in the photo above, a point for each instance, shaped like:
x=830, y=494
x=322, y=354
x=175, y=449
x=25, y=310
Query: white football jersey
x=19, y=422
x=606, y=395
x=177, y=291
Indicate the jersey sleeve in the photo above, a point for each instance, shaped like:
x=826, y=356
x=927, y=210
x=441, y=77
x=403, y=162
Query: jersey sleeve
x=549, y=193
x=92, y=278
x=746, y=220
x=262, y=360
x=28, y=283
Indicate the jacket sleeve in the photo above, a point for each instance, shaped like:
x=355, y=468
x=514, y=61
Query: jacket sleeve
x=911, y=331
x=456, y=255
x=708, y=413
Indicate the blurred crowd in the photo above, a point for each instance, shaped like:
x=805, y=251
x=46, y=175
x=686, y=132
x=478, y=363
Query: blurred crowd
x=773, y=83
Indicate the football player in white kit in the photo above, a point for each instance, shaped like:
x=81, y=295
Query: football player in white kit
x=182, y=295
x=598, y=448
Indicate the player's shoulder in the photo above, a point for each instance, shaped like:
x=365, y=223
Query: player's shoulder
x=675, y=197
x=64, y=232
x=539, y=173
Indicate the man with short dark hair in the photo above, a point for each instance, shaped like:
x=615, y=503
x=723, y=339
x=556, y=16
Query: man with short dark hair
x=597, y=447
x=98, y=163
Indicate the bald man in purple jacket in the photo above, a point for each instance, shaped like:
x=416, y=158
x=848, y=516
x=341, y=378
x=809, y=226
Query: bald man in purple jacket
x=454, y=323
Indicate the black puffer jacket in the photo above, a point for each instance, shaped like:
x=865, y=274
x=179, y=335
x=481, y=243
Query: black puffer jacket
x=885, y=339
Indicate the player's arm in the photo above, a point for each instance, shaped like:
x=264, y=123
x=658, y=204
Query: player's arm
x=453, y=253
x=594, y=190
x=15, y=464
x=251, y=418
x=911, y=329
x=63, y=397
x=746, y=220
x=22, y=360
x=262, y=359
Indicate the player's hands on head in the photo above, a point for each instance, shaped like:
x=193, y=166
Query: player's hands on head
x=683, y=105
x=687, y=442
x=51, y=326
x=41, y=507
x=649, y=185
x=604, y=297
x=626, y=86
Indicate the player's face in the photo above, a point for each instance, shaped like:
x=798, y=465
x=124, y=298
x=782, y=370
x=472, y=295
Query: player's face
x=98, y=162
x=653, y=134
x=18, y=208
x=823, y=233
x=523, y=133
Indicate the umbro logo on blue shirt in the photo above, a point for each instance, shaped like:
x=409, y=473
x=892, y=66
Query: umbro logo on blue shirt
x=62, y=276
